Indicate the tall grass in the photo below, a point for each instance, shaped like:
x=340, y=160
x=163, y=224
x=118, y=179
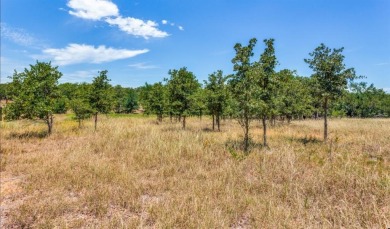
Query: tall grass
x=135, y=173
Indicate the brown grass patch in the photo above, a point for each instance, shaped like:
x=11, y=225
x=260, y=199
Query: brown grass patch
x=134, y=173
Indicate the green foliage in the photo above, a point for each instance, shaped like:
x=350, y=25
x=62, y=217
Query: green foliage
x=182, y=85
x=364, y=101
x=330, y=76
x=216, y=95
x=5, y=91
x=330, y=73
x=155, y=99
x=131, y=102
x=292, y=95
x=80, y=103
x=264, y=74
x=60, y=105
x=125, y=99
x=100, y=97
x=35, y=93
x=243, y=87
x=68, y=90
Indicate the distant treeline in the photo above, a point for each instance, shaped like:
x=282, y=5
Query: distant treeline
x=295, y=98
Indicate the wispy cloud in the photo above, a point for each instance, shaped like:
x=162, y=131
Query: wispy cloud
x=79, y=76
x=181, y=28
x=164, y=22
x=107, y=11
x=137, y=27
x=92, y=9
x=8, y=65
x=81, y=53
x=142, y=66
x=17, y=35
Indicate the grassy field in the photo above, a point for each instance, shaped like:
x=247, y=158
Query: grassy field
x=135, y=173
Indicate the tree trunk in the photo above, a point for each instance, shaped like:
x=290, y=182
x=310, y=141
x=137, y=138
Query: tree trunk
x=265, y=131
x=273, y=120
x=326, y=120
x=213, y=122
x=49, y=122
x=96, y=116
x=246, y=134
x=200, y=114
x=289, y=119
x=184, y=122
x=218, y=122
x=79, y=123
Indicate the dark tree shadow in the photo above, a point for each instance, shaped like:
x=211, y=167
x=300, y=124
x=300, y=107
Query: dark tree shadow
x=28, y=135
x=239, y=145
x=207, y=129
x=307, y=140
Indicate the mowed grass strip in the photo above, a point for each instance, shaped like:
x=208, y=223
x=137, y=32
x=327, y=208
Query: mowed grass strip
x=133, y=172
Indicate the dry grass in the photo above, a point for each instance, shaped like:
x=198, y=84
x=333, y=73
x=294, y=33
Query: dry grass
x=133, y=173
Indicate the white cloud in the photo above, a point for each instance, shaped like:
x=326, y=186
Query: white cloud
x=78, y=76
x=93, y=9
x=81, y=53
x=109, y=12
x=16, y=35
x=180, y=27
x=142, y=66
x=137, y=27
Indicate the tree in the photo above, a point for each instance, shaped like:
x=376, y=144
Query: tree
x=131, y=101
x=182, y=85
x=80, y=103
x=35, y=93
x=154, y=99
x=216, y=96
x=119, y=97
x=293, y=96
x=198, y=105
x=331, y=76
x=100, y=97
x=264, y=75
x=243, y=87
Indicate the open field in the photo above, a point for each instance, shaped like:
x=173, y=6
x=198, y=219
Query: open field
x=135, y=173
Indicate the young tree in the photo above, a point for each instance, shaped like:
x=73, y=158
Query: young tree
x=154, y=99
x=35, y=92
x=293, y=96
x=264, y=74
x=100, y=97
x=131, y=102
x=330, y=75
x=182, y=85
x=80, y=103
x=198, y=103
x=243, y=86
x=119, y=98
x=216, y=96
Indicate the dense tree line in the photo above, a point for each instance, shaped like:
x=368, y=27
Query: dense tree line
x=254, y=92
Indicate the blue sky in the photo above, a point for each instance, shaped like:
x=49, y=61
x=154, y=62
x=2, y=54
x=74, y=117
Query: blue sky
x=139, y=41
